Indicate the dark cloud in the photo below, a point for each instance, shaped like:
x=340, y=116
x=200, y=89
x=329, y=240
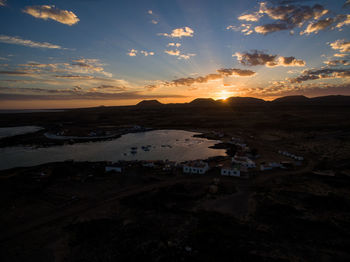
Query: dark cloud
x=256, y=57
x=286, y=15
x=337, y=62
x=347, y=3
x=13, y=73
x=221, y=73
x=321, y=74
x=235, y=72
x=270, y=28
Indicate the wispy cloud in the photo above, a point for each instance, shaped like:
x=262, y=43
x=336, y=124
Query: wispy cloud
x=154, y=19
x=246, y=29
x=2, y=2
x=342, y=45
x=174, y=44
x=256, y=58
x=324, y=73
x=134, y=52
x=180, y=32
x=190, y=81
x=341, y=62
x=51, y=12
x=19, y=41
x=179, y=54
x=146, y=53
x=285, y=16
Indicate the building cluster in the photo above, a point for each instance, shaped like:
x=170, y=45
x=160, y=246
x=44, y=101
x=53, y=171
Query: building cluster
x=287, y=154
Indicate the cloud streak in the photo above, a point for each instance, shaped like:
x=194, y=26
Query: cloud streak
x=326, y=73
x=29, y=43
x=51, y=12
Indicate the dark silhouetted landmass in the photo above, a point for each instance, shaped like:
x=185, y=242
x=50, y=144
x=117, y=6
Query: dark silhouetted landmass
x=149, y=103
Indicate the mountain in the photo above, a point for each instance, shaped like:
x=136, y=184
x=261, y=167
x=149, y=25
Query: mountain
x=331, y=100
x=203, y=102
x=149, y=103
x=291, y=100
x=245, y=101
x=337, y=100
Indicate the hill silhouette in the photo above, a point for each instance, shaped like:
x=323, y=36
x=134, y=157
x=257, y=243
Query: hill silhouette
x=149, y=103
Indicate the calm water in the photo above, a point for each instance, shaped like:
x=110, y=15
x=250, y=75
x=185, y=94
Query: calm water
x=174, y=145
x=18, y=130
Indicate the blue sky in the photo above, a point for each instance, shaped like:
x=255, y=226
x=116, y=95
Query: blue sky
x=117, y=52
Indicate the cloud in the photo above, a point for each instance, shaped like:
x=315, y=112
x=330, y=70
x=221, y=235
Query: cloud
x=270, y=28
x=19, y=73
x=221, y=73
x=342, y=45
x=154, y=18
x=145, y=53
x=180, y=32
x=250, y=17
x=174, y=44
x=256, y=58
x=51, y=12
x=179, y=54
x=244, y=28
x=315, y=27
x=132, y=52
x=90, y=66
x=340, y=55
x=337, y=62
x=286, y=16
x=320, y=74
x=76, y=94
x=347, y=3
x=75, y=67
x=235, y=72
x=2, y=2
x=342, y=20
x=19, y=41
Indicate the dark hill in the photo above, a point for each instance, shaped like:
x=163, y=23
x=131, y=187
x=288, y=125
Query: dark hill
x=203, y=102
x=331, y=100
x=149, y=103
x=245, y=101
x=291, y=100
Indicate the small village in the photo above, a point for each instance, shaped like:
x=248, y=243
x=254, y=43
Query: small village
x=244, y=163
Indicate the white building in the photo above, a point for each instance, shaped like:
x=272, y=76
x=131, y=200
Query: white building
x=230, y=170
x=113, y=168
x=243, y=160
x=195, y=167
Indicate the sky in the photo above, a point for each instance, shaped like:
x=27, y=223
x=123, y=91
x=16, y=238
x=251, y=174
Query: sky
x=83, y=53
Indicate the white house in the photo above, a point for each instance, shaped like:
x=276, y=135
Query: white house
x=243, y=160
x=195, y=167
x=113, y=168
x=230, y=170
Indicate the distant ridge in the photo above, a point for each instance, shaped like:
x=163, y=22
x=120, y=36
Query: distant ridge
x=149, y=103
x=245, y=101
x=292, y=100
x=203, y=102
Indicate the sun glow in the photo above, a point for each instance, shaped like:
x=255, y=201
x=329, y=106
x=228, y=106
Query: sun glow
x=224, y=94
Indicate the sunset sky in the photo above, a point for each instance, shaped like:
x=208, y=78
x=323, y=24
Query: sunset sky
x=59, y=54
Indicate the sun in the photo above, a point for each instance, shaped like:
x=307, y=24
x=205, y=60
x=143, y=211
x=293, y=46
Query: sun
x=224, y=94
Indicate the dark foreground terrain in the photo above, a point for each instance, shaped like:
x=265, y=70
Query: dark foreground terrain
x=76, y=212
